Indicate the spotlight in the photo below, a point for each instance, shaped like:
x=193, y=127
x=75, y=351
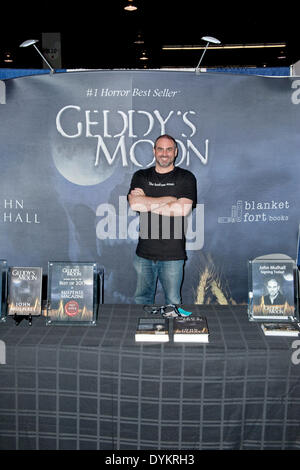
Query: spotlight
x=32, y=42
x=130, y=6
x=208, y=39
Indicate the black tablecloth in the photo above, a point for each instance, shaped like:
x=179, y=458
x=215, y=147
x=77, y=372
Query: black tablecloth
x=93, y=387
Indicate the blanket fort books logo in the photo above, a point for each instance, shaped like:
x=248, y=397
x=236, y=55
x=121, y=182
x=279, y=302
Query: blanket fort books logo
x=257, y=212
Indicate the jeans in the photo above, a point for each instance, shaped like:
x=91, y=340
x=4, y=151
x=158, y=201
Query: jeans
x=169, y=273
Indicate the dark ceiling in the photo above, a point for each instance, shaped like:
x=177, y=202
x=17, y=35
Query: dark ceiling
x=101, y=35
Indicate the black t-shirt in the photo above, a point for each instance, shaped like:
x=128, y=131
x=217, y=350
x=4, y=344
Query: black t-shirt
x=161, y=237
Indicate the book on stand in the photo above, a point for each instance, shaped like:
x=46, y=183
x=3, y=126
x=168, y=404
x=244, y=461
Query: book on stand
x=24, y=291
x=152, y=330
x=280, y=329
x=193, y=329
x=273, y=289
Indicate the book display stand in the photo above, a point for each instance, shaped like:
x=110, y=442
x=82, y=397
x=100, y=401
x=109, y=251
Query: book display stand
x=73, y=293
x=273, y=289
x=3, y=289
x=24, y=293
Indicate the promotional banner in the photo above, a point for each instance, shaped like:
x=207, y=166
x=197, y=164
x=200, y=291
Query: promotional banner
x=70, y=143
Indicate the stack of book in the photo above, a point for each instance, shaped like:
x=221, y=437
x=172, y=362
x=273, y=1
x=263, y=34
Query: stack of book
x=280, y=329
x=191, y=329
x=152, y=329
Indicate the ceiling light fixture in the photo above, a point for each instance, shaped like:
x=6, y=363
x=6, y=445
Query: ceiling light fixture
x=8, y=57
x=32, y=42
x=222, y=47
x=208, y=40
x=281, y=55
x=130, y=6
x=144, y=56
x=139, y=39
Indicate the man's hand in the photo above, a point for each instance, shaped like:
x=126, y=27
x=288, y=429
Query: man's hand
x=139, y=202
x=179, y=208
x=137, y=192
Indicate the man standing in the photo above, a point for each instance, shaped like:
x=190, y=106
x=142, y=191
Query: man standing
x=164, y=195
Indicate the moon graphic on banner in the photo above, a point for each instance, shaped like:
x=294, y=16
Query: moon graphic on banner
x=76, y=163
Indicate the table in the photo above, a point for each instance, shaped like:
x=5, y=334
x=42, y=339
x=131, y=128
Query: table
x=93, y=387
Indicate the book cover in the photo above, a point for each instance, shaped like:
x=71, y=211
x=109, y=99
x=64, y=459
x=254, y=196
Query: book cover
x=280, y=329
x=24, y=291
x=190, y=329
x=152, y=329
x=273, y=288
x=71, y=292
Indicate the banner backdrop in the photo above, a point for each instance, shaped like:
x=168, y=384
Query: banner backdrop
x=70, y=142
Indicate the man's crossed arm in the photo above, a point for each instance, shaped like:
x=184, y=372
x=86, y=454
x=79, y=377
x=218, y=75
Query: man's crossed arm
x=165, y=205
